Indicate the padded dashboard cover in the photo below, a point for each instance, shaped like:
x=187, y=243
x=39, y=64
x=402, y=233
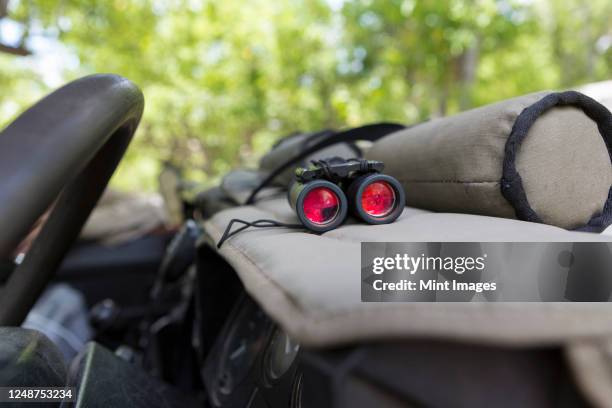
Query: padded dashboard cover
x=543, y=157
x=310, y=283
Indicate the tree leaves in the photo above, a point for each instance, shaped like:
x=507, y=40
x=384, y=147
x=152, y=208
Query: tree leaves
x=224, y=79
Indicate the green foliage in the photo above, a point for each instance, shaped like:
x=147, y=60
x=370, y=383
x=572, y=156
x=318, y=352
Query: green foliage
x=224, y=79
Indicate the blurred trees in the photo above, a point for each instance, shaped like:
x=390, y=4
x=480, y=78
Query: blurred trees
x=223, y=79
x=18, y=48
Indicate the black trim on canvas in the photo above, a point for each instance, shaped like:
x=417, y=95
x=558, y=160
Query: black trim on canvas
x=511, y=182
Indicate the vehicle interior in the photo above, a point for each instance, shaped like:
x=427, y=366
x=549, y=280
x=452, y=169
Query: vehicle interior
x=274, y=317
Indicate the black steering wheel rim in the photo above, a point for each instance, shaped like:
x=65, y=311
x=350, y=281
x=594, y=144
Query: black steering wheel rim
x=62, y=152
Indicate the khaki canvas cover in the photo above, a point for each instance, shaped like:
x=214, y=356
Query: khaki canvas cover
x=456, y=164
x=310, y=285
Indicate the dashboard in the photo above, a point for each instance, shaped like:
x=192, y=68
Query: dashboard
x=253, y=363
x=248, y=361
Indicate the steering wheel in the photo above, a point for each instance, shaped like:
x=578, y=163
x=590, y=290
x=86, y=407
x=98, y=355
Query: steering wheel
x=60, y=153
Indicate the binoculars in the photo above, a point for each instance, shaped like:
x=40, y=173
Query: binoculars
x=323, y=193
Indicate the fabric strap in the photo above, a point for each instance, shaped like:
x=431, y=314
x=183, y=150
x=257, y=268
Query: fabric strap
x=368, y=132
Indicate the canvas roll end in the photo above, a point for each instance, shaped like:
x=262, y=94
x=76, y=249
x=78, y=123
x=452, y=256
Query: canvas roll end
x=542, y=157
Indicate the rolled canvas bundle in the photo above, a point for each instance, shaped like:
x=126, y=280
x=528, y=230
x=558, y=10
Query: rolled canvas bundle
x=543, y=157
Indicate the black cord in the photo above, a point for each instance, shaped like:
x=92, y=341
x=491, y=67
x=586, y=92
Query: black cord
x=228, y=233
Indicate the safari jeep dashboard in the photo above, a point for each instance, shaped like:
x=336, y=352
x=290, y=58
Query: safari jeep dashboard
x=273, y=317
x=252, y=362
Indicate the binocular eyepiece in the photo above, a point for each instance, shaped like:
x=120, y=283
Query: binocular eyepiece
x=323, y=193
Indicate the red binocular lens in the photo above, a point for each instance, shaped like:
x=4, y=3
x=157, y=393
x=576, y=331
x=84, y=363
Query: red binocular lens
x=376, y=198
x=320, y=205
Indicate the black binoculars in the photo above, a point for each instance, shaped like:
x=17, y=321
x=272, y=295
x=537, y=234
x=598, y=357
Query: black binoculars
x=323, y=193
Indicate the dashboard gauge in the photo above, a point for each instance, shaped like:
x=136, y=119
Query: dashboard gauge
x=280, y=355
x=244, y=342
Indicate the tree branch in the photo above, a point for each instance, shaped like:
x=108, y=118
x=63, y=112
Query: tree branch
x=21, y=51
x=9, y=49
x=3, y=8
